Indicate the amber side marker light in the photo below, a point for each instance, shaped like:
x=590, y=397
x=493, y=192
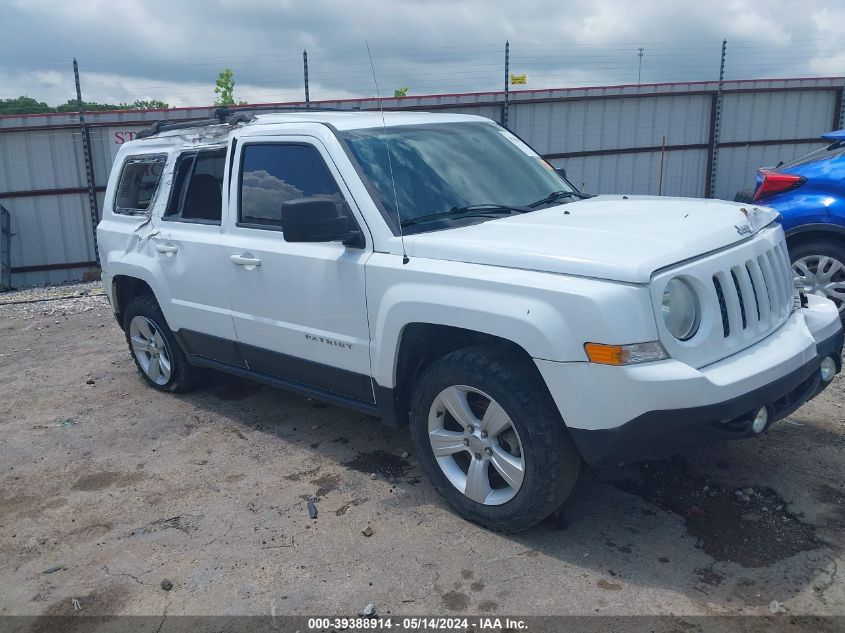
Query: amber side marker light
x=625, y=354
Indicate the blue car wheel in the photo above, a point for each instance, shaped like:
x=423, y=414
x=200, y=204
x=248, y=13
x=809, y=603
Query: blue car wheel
x=820, y=265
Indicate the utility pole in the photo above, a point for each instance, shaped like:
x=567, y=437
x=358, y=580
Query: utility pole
x=89, y=162
x=305, y=70
x=662, y=160
x=716, y=125
x=840, y=122
x=507, y=82
x=640, y=66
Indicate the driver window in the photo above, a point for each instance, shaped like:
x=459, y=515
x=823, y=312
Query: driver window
x=275, y=173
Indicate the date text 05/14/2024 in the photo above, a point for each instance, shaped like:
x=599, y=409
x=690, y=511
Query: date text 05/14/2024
x=421, y=623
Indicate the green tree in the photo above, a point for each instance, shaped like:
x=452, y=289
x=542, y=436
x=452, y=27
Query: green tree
x=23, y=105
x=28, y=105
x=145, y=104
x=89, y=106
x=401, y=92
x=225, y=87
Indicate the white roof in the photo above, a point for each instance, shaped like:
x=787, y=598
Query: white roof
x=354, y=120
x=200, y=135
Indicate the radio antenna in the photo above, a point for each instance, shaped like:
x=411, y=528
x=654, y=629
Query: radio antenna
x=405, y=259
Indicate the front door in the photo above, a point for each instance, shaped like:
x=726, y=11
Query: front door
x=299, y=309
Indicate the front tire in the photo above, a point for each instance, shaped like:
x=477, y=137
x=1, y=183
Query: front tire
x=491, y=440
x=158, y=357
x=820, y=263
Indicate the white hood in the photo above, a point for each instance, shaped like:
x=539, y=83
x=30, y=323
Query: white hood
x=623, y=238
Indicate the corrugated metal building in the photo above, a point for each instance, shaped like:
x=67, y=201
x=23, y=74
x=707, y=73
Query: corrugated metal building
x=610, y=140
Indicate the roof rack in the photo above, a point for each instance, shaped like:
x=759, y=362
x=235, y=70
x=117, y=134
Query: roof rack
x=231, y=115
x=227, y=110
x=165, y=126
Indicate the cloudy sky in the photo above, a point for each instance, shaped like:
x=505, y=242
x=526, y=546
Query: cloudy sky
x=173, y=51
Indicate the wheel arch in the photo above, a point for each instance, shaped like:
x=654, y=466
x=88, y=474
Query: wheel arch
x=816, y=231
x=124, y=289
x=422, y=343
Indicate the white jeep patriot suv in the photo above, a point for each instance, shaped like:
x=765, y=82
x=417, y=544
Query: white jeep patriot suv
x=434, y=271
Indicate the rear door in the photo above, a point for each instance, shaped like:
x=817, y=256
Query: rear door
x=189, y=247
x=299, y=309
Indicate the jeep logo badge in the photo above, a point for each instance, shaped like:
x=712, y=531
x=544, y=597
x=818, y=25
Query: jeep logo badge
x=744, y=229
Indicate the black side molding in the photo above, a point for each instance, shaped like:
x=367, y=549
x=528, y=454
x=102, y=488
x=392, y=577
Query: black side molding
x=299, y=370
x=315, y=380
x=287, y=385
x=196, y=344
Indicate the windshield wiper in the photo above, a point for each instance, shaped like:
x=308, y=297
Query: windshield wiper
x=554, y=196
x=470, y=211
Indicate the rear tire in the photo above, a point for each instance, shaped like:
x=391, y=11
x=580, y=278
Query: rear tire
x=157, y=355
x=517, y=472
x=820, y=263
x=746, y=195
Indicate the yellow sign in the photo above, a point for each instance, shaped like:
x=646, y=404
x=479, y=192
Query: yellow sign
x=519, y=79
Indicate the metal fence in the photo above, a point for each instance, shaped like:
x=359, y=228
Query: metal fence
x=699, y=139
x=5, y=256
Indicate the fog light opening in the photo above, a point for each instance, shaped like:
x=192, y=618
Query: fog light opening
x=828, y=368
x=760, y=420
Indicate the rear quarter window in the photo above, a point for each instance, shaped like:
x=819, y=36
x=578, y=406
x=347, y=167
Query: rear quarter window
x=139, y=180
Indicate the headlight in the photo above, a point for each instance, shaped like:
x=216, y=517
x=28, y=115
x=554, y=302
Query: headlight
x=680, y=309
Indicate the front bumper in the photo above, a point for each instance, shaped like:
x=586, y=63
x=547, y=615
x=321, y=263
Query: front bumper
x=619, y=415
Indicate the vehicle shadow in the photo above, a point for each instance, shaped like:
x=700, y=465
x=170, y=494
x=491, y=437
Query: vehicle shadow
x=715, y=524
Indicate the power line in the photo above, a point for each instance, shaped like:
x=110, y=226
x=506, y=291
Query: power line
x=456, y=68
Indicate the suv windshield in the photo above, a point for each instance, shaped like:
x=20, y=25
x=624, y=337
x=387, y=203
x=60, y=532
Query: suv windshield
x=452, y=166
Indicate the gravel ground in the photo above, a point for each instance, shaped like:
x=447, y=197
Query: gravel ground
x=108, y=489
x=53, y=300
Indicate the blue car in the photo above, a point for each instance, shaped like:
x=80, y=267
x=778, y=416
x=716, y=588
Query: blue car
x=809, y=192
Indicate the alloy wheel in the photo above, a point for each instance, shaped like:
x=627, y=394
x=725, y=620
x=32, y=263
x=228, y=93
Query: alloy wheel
x=476, y=445
x=823, y=276
x=150, y=348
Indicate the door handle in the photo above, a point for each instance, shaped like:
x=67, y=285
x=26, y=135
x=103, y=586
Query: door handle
x=166, y=248
x=244, y=260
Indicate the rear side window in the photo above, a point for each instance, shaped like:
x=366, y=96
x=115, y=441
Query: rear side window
x=196, y=195
x=275, y=173
x=138, y=183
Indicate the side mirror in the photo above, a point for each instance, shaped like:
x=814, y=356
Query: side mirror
x=561, y=171
x=319, y=220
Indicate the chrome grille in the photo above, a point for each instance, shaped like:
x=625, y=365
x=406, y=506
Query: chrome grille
x=756, y=294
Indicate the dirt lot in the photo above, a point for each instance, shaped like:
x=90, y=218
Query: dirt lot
x=108, y=487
